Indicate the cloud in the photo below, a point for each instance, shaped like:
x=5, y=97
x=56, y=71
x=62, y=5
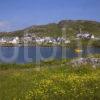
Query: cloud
x=5, y=26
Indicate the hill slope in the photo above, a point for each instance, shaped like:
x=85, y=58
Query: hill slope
x=55, y=29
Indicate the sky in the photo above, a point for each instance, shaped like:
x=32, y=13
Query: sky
x=18, y=14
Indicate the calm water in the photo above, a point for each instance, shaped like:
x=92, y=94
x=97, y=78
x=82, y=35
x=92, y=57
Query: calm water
x=33, y=54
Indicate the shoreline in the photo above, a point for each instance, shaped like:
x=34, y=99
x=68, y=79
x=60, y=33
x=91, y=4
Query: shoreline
x=69, y=46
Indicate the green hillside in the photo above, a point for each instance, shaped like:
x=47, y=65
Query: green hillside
x=55, y=29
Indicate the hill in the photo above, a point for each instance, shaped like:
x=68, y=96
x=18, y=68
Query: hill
x=55, y=29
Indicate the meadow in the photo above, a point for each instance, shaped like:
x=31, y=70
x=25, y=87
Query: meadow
x=53, y=80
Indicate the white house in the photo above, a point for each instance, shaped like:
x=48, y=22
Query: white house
x=85, y=35
x=92, y=37
x=14, y=40
x=67, y=41
x=2, y=40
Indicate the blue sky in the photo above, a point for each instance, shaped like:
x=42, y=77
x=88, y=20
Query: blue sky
x=18, y=14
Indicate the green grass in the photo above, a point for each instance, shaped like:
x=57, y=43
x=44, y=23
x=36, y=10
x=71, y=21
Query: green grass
x=53, y=80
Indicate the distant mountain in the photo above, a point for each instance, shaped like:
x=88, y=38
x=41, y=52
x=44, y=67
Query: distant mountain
x=55, y=29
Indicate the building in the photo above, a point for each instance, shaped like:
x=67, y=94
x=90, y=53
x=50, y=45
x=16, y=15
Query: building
x=85, y=35
x=15, y=40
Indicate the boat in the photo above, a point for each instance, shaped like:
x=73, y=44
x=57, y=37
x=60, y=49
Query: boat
x=78, y=50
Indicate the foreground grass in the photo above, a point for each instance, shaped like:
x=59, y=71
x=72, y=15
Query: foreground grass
x=52, y=82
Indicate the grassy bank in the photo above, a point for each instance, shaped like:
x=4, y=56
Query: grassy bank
x=53, y=80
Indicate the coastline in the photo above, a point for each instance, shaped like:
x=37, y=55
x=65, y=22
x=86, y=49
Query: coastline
x=72, y=44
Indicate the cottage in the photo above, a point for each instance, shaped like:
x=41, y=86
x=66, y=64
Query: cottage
x=2, y=40
x=85, y=35
x=15, y=40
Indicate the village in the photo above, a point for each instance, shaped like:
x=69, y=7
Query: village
x=28, y=38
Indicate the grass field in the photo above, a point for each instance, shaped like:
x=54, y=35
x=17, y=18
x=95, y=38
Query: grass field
x=49, y=81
